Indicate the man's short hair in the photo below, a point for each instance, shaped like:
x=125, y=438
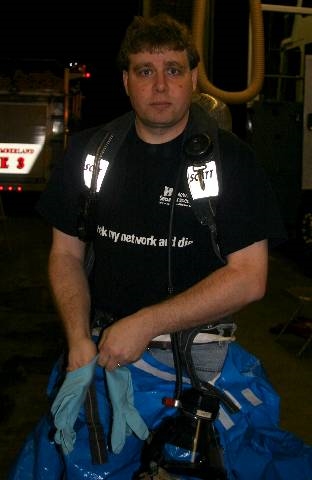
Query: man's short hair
x=152, y=34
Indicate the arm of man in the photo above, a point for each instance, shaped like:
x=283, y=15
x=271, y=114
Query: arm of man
x=71, y=293
x=241, y=281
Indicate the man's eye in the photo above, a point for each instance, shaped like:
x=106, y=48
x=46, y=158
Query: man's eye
x=174, y=71
x=145, y=72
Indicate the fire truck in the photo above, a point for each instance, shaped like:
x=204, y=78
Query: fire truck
x=40, y=106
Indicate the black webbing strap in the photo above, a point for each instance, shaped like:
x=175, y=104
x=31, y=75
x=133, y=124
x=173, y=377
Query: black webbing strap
x=107, y=139
x=185, y=340
x=97, y=440
x=197, y=149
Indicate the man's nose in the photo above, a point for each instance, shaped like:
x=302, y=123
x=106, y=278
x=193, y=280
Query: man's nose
x=160, y=81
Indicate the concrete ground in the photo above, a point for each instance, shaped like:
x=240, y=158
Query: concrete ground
x=31, y=337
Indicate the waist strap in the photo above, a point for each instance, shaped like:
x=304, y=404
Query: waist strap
x=222, y=332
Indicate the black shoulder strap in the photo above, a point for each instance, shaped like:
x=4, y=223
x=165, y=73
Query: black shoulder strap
x=203, y=172
x=107, y=139
x=118, y=129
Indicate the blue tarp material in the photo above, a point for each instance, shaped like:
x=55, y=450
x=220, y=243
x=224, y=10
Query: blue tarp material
x=253, y=443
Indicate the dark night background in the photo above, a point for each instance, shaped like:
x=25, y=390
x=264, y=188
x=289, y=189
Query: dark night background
x=91, y=32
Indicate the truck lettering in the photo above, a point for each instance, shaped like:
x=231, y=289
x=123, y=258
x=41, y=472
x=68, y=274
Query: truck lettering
x=17, y=150
x=20, y=163
x=4, y=162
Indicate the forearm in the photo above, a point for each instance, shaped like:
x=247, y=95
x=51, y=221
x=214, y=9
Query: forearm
x=71, y=293
x=221, y=294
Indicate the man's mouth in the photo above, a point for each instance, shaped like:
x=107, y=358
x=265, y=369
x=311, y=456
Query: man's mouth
x=160, y=105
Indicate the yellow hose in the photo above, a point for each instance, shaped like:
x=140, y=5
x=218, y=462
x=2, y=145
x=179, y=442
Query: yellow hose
x=257, y=67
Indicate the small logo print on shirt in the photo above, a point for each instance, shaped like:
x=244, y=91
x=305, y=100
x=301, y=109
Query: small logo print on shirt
x=165, y=198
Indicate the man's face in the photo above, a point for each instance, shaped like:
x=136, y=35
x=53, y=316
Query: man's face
x=160, y=87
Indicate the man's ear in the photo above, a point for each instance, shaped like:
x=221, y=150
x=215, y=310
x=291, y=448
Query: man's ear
x=194, y=74
x=125, y=80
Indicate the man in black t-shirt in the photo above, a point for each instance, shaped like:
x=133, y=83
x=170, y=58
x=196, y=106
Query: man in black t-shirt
x=130, y=275
x=132, y=221
x=157, y=268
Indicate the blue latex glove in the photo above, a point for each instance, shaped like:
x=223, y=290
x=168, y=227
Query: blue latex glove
x=126, y=418
x=67, y=403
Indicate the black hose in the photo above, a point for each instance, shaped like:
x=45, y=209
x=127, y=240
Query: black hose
x=174, y=340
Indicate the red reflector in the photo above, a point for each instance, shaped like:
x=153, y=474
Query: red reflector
x=11, y=188
x=170, y=402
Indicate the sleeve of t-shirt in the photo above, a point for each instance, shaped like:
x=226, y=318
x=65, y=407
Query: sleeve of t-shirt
x=248, y=210
x=60, y=203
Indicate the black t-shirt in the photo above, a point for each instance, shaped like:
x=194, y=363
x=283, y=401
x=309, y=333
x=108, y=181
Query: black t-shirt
x=134, y=214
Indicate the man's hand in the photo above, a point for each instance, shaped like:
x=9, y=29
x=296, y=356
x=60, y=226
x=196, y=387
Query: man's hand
x=124, y=341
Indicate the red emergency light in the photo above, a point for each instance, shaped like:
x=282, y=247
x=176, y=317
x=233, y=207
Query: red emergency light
x=78, y=70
